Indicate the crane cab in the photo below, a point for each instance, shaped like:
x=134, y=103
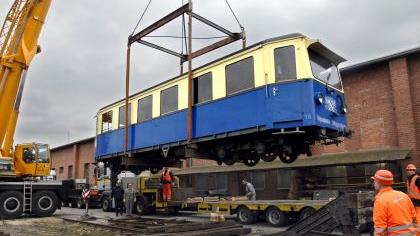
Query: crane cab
x=32, y=159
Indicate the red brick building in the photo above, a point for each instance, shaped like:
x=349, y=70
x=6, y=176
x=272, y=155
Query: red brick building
x=75, y=160
x=383, y=97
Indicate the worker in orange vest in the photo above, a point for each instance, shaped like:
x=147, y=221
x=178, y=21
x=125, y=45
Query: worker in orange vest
x=166, y=180
x=393, y=211
x=413, y=190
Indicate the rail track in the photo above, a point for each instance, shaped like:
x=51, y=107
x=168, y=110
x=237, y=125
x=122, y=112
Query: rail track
x=158, y=227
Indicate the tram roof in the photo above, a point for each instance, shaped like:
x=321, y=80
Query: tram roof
x=316, y=46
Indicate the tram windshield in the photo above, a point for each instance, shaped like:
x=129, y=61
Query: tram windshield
x=324, y=70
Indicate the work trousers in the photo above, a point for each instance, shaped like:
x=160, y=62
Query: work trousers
x=119, y=206
x=129, y=207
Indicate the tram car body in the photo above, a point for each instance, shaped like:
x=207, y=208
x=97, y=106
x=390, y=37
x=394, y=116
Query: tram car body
x=270, y=100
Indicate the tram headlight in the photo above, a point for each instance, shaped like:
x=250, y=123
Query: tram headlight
x=320, y=98
x=344, y=110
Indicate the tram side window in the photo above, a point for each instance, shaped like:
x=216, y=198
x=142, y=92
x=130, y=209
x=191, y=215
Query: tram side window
x=202, y=89
x=240, y=76
x=121, y=116
x=144, y=111
x=285, y=63
x=107, y=121
x=169, y=100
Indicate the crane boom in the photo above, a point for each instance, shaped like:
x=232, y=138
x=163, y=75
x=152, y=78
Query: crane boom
x=18, y=46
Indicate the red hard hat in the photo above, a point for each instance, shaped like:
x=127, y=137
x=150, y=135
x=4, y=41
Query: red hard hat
x=410, y=167
x=384, y=177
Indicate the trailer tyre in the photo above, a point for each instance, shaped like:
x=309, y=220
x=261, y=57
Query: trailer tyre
x=11, y=204
x=140, y=207
x=106, y=204
x=245, y=216
x=44, y=203
x=305, y=212
x=275, y=217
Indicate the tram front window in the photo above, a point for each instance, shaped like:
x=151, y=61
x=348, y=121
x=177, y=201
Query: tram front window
x=43, y=153
x=325, y=70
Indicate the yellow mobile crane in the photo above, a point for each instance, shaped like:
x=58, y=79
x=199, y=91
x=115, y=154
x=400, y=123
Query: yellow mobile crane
x=19, y=37
x=19, y=191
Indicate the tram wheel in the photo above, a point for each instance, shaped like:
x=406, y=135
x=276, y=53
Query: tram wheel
x=289, y=158
x=269, y=156
x=251, y=159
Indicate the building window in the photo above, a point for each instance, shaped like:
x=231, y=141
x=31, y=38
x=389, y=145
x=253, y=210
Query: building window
x=145, y=106
x=201, y=182
x=336, y=175
x=121, y=116
x=60, y=170
x=169, y=100
x=285, y=63
x=221, y=181
x=185, y=181
x=70, y=172
x=86, y=172
x=284, y=178
x=240, y=76
x=203, y=88
x=355, y=174
x=107, y=121
x=257, y=179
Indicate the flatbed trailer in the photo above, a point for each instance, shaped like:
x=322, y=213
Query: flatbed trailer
x=276, y=212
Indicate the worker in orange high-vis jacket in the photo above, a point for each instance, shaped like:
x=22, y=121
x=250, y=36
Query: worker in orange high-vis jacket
x=413, y=190
x=393, y=211
x=166, y=180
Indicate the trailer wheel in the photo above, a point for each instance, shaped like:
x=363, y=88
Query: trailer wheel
x=44, y=203
x=106, y=204
x=140, y=207
x=11, y=204
x=275, y=217
x=305, y=212
x=245, y=216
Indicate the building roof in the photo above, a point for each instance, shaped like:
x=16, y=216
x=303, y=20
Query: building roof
x=361, y=65
x=334, y=159
x=91, y=139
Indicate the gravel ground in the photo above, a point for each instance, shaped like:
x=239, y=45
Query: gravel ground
x=48, y=226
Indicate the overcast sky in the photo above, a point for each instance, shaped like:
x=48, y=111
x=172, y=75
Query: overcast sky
x=82, y=64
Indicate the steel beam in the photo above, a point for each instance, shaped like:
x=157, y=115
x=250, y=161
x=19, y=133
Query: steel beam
x=182, y=56
x=166, y=19
x=216, y=45
x=212, y=24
